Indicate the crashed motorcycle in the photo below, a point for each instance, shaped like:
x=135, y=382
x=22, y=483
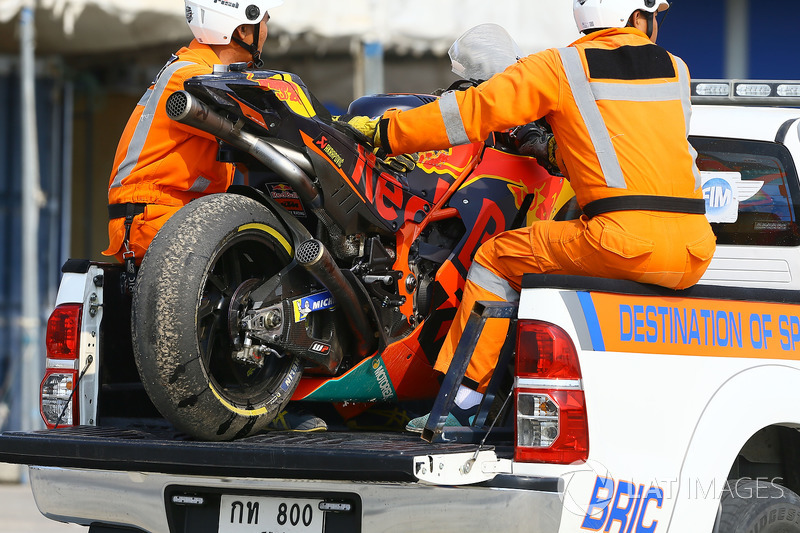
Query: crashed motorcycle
x=331, y=275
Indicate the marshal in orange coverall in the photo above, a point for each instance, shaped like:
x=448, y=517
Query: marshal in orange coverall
x=161, y=165
x=619, y=108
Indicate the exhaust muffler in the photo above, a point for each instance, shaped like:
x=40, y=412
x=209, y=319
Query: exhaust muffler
x=316, y=259
x=184, y=108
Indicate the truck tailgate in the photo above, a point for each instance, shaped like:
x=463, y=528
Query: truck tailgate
x=330, y=456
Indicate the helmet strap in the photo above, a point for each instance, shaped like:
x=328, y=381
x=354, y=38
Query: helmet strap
x=253, y=47
x=650, y=17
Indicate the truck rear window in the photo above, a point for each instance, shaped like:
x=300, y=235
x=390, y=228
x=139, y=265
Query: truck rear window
x=768, y=194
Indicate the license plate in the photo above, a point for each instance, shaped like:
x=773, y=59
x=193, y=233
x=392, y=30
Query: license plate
x=256, y=514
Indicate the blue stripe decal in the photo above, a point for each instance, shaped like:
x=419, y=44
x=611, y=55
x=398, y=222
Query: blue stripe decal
x=590, y=314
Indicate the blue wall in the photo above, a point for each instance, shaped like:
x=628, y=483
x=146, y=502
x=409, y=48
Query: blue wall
x=49, y=128
x=10, y=234
x=773, y=40
x=695, y=31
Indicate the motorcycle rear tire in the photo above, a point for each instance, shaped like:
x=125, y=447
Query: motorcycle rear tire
x=180, y=323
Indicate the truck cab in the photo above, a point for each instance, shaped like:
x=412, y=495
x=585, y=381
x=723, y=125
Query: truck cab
x=737, y=133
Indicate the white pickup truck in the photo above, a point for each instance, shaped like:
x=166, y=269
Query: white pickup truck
x=633, y=408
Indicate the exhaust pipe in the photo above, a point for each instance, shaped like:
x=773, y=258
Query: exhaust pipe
x=316, y=259
x=184, y=108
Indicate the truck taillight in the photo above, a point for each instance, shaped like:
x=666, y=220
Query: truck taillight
x=58, y=399
x=64, y=332
x=59, y=406
x=551, y=410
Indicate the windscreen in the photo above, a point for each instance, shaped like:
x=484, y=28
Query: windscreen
x=482, y=52
x=751, y=191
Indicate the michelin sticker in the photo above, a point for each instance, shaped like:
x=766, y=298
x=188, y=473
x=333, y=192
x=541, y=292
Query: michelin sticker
x=723, y=191
x=308, y=304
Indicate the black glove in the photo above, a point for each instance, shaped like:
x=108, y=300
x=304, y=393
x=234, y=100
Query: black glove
x=536, y=140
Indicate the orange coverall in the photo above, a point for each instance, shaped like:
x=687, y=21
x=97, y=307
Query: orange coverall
x=160, y=162
x=619, y=108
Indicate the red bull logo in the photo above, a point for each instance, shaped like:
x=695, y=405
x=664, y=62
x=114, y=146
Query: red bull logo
x=285, y=91
x=288, y=92
x=281, y=190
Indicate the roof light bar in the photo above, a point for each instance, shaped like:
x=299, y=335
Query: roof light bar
x=747, y=92
x=711, y=89
x=753, y=89
x=788, y=90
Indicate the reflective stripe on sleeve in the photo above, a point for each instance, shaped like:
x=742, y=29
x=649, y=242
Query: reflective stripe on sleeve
x=489, y=281
x=150, y=101
x=587, y=106
x=145, y=97
x=200, y=184
x=454, y=125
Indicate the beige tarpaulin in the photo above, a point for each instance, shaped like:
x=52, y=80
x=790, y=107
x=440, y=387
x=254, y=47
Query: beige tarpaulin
x=423, y=25
x=94, y=26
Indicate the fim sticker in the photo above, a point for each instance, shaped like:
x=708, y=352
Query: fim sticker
x=723, y=191
x=308, y=304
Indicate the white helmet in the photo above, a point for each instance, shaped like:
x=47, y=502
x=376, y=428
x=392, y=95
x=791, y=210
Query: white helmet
x=594, y=14
x=214, y=21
